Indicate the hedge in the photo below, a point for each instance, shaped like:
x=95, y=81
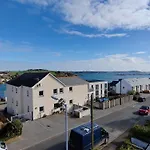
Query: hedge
x=11, y=130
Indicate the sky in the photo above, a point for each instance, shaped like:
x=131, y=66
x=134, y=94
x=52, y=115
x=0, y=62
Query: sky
x=75, y=35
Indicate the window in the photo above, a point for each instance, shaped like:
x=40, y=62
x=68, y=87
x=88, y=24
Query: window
x=38, y=85
x=12, y=100
x=101, y=92
x=41, y=93
x=101, y=86
x=70, y=89
x=27, y=93
x=97, y=87
x=55, y=91
x=71, y=101
x=16, y=103
x=28, y=109
x=57, y=105
x=12, y=89
x=61, y=90
x=16, y=90
x=97, y=93
x=105, y=85
x=41, y=109
x=92, y=86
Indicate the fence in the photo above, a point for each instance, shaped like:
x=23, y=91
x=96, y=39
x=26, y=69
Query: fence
x=22, y=117
x=112, y=103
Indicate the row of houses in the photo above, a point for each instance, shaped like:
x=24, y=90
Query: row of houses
x=31, y=93
x=123, y=86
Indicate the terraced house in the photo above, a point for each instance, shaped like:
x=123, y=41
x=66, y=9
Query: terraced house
x=31, y=93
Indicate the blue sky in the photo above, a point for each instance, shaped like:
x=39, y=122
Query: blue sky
x=75, y=35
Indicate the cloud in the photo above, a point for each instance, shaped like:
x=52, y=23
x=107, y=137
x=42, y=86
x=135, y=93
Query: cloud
x=116, y=62
x=73, y=32
x=140, y=52
x=100, y=14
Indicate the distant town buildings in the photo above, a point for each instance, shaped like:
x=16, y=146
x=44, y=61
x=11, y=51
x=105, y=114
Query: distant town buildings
x=131, y=84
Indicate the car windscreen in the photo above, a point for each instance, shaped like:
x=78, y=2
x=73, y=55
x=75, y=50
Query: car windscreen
x=144, y=107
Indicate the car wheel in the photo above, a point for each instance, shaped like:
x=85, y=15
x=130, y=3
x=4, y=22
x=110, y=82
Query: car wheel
x=106, y=141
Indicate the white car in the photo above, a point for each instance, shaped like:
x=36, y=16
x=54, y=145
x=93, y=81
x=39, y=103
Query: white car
x=3, y=146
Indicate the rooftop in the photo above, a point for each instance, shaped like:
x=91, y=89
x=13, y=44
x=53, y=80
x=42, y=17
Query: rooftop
x=85, y=129
x=113, y=83
x=28, y=79
x=95, y=80
x=74, y=80
x=138, y=81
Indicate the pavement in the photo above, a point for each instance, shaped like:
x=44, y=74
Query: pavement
x=48, y=133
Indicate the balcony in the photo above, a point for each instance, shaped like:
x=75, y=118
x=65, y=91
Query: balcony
x=91, y=89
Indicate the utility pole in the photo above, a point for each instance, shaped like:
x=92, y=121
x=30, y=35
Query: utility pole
x=92, y=130
x=120, y=90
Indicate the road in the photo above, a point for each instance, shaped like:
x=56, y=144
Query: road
x=115, y=123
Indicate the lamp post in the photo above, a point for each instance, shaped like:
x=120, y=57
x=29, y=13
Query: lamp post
x=62, y=101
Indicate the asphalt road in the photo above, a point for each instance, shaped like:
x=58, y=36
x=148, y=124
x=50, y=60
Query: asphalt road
x=115, y=123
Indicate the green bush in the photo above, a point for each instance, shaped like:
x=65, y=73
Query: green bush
x=141, y=131
x=131, y=92
x=11, y=130
x=137, y=93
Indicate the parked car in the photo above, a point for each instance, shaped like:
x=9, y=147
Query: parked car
x=144, y=110
x=80, y=137
x=3, y=146
x=141, y=99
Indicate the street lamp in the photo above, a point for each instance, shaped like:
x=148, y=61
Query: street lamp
x=62, y=101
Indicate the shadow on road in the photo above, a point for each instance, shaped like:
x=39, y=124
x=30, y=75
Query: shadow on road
x=60, y=146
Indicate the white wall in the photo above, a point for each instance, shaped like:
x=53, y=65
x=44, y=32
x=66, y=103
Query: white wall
x=125, y=87
x=103, y=88
x=79, y=95
x=27, y=100
x=12, y=98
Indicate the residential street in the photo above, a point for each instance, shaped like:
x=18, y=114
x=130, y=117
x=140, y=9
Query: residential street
x=115, y=123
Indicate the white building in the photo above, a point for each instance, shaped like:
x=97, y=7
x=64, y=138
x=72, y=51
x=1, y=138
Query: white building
x=31, y=93
x=136, y=84
x=99, y=88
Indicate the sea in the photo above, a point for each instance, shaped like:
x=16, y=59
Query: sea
x=2, y=90
x=107, y=76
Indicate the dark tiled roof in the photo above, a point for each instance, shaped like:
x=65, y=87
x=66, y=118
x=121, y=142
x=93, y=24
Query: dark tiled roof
x=95, y=80
x=70, y=81
x=28, y=79
x=113, y=83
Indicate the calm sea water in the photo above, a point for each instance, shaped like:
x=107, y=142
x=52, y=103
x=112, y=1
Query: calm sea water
x=108, y=76
x=2, y=89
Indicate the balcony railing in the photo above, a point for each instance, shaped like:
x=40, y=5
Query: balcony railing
x=91, y=89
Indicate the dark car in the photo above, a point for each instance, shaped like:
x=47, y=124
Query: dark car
x=80, y=137
x=144, y=110
x=141, y=99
